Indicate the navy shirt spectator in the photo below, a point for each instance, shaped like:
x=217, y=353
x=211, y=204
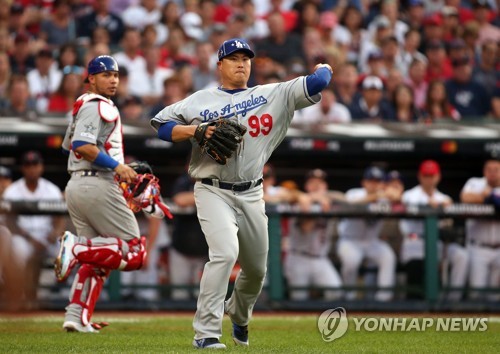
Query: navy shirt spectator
x=371, y=105
x=101, y=17
x=469, y=98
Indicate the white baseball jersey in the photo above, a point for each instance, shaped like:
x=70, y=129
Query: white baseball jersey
x=316, y=243
x=482, y=231
x=359, y=229
x=417, y=196
x=38, y=226
x=266, y=111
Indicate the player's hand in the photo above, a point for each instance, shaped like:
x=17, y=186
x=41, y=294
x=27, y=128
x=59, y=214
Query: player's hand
x=126, y=173
x=323, y=66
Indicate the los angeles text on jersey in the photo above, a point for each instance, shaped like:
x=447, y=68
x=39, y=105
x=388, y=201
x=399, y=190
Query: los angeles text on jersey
x=238, y=108
x=421, y=324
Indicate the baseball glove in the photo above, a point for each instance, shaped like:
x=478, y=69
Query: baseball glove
x=223, y=143
x=141, y=167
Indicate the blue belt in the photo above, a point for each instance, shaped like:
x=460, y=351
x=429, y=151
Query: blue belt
x=235, y=187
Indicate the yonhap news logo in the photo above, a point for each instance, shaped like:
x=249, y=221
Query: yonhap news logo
x=334, y=323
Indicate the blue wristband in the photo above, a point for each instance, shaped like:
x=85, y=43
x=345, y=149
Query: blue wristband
x=103, y=160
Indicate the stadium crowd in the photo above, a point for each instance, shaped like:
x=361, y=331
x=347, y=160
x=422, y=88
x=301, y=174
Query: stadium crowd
x=405, y=61
x=417, y=61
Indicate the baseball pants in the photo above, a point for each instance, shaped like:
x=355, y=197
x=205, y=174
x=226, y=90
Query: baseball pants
x=235, y=227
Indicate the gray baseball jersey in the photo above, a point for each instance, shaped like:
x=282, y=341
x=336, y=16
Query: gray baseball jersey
x=96, y=121
x=266, y=110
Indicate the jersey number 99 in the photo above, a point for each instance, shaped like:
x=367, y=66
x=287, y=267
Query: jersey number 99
x=257, y=125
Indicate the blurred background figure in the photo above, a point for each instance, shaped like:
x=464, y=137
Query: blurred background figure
x=34, y=236
x=359, y=239
x=483, y=236
x=307, y=264
x=19, y=103
x=5, y=181
x=453, y=257
x=189, y=250
x=70, y=88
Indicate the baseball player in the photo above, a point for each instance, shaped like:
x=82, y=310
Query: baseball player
x=310, y=240
x=228, y=192
x=483, y=236
x=359, y=238
x=412, y=247
x=108, y=233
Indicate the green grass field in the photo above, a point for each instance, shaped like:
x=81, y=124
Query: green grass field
x=172, y=333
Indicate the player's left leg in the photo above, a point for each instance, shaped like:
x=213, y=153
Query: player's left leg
x=459, y=261
x=85, y=291
x=254, y=245
x=382, y=254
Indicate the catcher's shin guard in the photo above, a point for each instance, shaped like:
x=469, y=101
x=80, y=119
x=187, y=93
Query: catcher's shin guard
x=86, y=289
x=118, y=255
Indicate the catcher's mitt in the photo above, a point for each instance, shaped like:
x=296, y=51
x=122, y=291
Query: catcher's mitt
x=225, y=140
x=141, y=167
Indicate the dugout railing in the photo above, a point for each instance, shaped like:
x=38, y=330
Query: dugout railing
x=275, y=296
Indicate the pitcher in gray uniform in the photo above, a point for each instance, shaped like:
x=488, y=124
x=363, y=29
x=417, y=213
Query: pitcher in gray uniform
x=108, y=234
x=229, y=198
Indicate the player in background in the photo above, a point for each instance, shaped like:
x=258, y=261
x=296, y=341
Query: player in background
x=413, y=230
x=483, y=236
x=307, y=263
x=229, y=198
x=359, y=238
x=108, y=233
x=34, y=236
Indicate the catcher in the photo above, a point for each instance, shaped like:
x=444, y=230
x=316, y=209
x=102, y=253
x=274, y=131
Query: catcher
x=108, y=233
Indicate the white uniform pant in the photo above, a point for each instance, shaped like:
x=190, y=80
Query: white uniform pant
x=302, y=271
x=484, y=269
x=235, y=227
x=184, y=270
x=352, y=253
x=455, y=266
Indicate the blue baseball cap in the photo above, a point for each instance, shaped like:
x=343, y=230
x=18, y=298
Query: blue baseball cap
x=234, y=45
x=374, y=173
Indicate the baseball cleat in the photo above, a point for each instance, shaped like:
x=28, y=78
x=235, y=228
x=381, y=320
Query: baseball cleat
x=71, y=326
x=240, y=335
x=65, y=260
x=208, y=343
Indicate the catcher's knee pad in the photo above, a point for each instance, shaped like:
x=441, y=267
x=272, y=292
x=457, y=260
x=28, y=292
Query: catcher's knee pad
x=86, y=289
x=109, y=256
x=136, y=254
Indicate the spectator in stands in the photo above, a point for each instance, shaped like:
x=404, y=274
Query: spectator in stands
x=70, y=88
x=100, y=17
x=138, y=16
x=5, y=40
x=34, y=237
x=469, y=98
x=415, y=15
x=432, y=28
x=486, y=73
x=280, y=45
x=416, y=80
x=383, y=29
x=68, y=56
x=44, y=79
x=345, y=84
x=173, y=91
x=19, y=103
x=189, y=250
x=390, y=10
x=256, y=27
x=147, y=82
x=393, y=80
x=170, y=14
x=5, y=181
x=495, y=103
x=439, y=66
x=327, y=111
x=308, y=16
x=307, y=263
x=483, y=236
x=21, y=59
x=487, y=31
x=5, y=74
x=132, y=109
x=371, y=106
x=131, y=57
x=100, y=35
x=409, y=50
x=359, y=238
x=403, y=103
x=60, y=27
x=351, y=32
x=178, y=49
x=471, y=36
x=412, y=250
x=437, y=104
x=456, y=49
x=204, y=73
x=451, y=24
